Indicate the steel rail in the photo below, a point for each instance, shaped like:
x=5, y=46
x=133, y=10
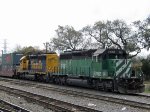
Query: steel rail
x=99, y=97
x=53, y=104
x=87, y=95
x=6, y=106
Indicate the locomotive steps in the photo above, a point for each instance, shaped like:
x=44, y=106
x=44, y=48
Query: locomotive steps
x=85, y=94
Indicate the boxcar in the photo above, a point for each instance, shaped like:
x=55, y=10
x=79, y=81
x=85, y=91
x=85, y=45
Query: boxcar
x=9, y=64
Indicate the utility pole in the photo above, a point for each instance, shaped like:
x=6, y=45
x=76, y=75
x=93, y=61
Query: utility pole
x=5, y=46
x=2, y=57
x=2, y=52
x=46, y=46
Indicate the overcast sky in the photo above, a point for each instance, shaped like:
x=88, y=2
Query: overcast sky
x=33, y=22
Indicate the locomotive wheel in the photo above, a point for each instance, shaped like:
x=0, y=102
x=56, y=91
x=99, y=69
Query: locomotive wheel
x=96, y=84
x=53, y=79
x=41, y=78
x=35, y=77
x=57, y=80
x=63, y=80
x=104, y=86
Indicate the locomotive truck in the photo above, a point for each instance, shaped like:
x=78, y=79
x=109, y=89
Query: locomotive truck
x=105, y=69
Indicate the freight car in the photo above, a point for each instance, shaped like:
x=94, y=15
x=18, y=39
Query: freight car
x=106, y=69
x=9, y=64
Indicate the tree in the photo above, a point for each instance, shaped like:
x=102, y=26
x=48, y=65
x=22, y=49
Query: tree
x=114, y=34
x=99, y=31
x=18, y=48
x=27, y=50
x=144, y=63
x=125, y=37
x=121, y=33
x=110, y=34
x=146, y=67
x=68, y=38
x=143, y=32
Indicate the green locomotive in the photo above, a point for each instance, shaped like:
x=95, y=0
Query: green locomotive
x=107, y=69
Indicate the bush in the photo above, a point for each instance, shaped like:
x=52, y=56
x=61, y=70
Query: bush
x=146, y=68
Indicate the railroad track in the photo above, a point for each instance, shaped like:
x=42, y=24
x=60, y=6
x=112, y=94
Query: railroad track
x=87, y=95
x=50, y=103
x=9, y=107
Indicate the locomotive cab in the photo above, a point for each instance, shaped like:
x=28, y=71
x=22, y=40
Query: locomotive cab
x=23, y=63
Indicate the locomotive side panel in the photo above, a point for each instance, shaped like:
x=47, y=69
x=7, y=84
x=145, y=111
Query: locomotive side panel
x=76, y=67
x=52, y=63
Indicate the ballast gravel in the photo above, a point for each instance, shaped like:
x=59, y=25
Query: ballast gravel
x=87, y=102
x=22, y=102
x=130, y=97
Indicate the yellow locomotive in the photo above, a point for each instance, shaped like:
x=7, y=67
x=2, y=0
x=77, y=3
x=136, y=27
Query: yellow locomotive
x=38, y=65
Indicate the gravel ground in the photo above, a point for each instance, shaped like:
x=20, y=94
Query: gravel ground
x=92, y=103
x=22, y=102
x=95, y=92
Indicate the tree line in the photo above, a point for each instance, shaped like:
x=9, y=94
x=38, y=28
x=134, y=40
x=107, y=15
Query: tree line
x=105, y=34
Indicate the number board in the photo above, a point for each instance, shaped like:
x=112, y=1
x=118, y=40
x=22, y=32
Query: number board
x=115, y=52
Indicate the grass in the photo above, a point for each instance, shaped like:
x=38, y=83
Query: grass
x=146, y=82
x=147, y=86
